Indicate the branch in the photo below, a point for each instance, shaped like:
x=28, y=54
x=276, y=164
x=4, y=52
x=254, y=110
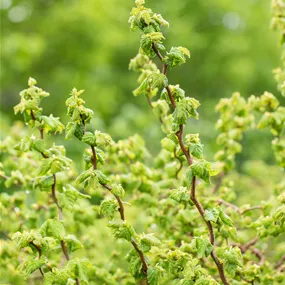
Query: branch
x=245, y=247
x=221, y=201
x=251, y=209
x=280, y=262
x=185, y=151
x=40, y=254
x=122, y=216
x=40, y=129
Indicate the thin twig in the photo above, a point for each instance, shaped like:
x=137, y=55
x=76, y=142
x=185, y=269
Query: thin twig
x=40, y=254
x=246, y=246
x=5, y=235
x=185, y=151
x=221, y=201
x=122, y=216
x=280, y=262
x=251, y=209
x=64, y=250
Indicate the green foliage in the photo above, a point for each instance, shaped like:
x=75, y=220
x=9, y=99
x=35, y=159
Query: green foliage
x=171, y=228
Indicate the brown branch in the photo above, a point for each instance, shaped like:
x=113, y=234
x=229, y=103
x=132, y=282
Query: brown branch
x=182, y=146
x=40, y=129
x=94, y=158
x=64, y=250
x=60, y=215
x=122, y=216
x=5, y=235
x=259, y=255
x=121, y=206
x=40, y=254
x=280, y=262
x=145, y=266
x=246, y=246
x=251, y=209
x=221, y=201
x=185, y=151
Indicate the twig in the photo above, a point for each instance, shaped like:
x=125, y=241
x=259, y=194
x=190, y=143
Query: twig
x=40, y=254
x=5, y=235
x=40, y=129
x=185, y=151
x=259, y=255
x=122, y=216
x=245, y=247
x=221, y=201
x=251, y=209
x=280, y=262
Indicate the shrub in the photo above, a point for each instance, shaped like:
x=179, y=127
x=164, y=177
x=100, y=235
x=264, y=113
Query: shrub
x=176, y=227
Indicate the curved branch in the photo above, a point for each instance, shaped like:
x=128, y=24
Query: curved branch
x=186, y=153
x=122, y=216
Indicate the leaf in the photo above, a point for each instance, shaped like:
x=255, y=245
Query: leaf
x=122, y=230
x=196, y=149
x=69, y=196
x=89, y=138
x=79, y=131
x=232, y=260
x=31, y=265
x=102, y=178
x=154, y=274
x=32, y=82
x=225, y=218
x=44, y=183
x=177, y=56
x=147, y=241
x=79, y=269
x=84, y=176
x=185, y=108
x=180, y=195
x=51, y=124
x=38, y=145
x=23, y=239
x=108, y=208
x=102, y=139
x=24, y=145
x=150, y=83
x=72, y=243
x=117, y=190
x=168, y=144
x=53, y=228
x=203, y=246
x=160, y=108
x=189, y=177
x=201, y=169
x=57, y=276
x=45, y=167
x=70, y=130
x=212, y=215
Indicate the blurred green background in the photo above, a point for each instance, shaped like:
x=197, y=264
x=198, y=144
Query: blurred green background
x=88, y=44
